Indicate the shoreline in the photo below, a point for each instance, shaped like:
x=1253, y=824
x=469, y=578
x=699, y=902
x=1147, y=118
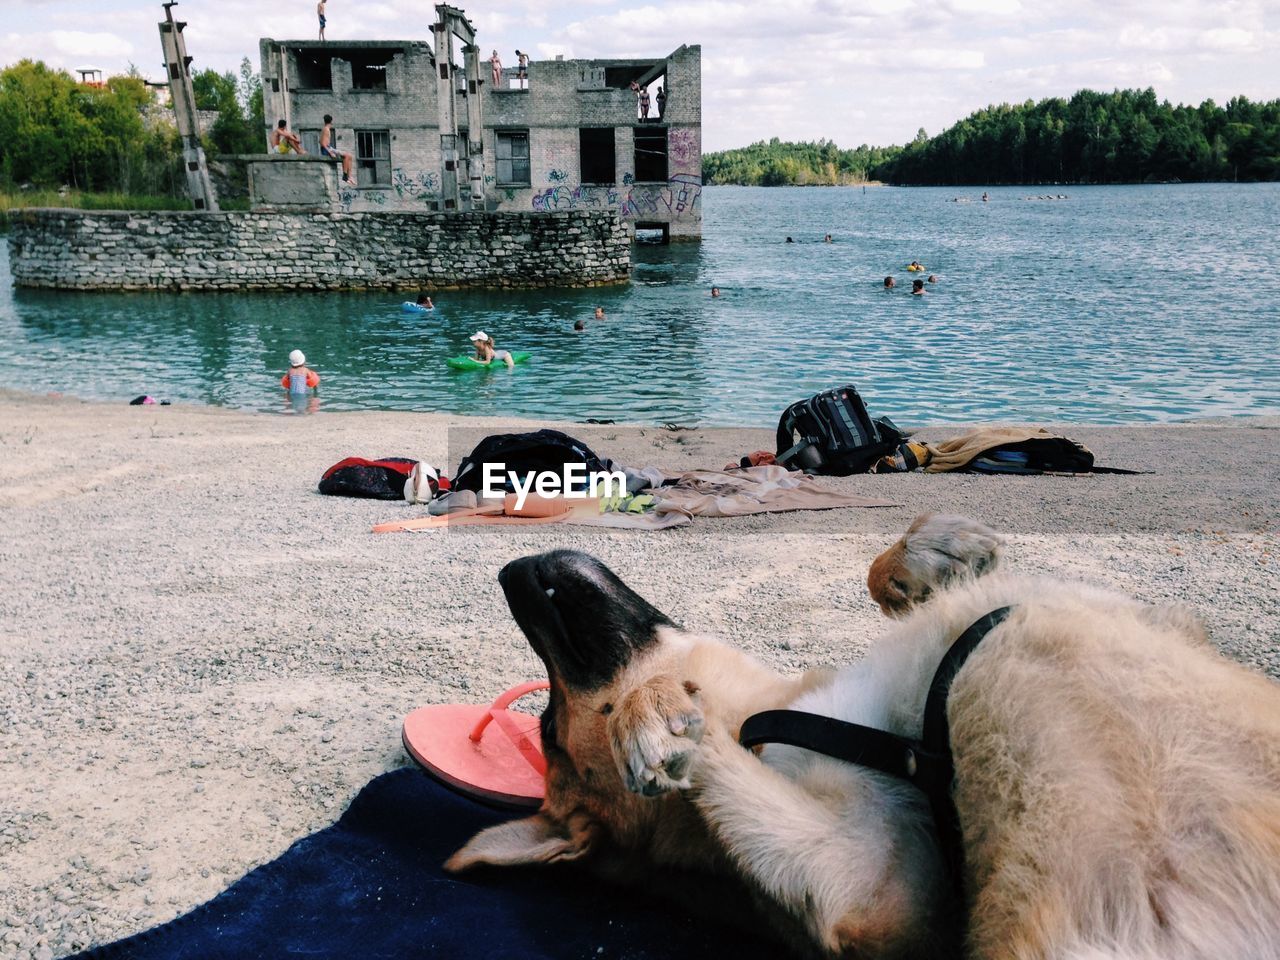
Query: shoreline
x=1252, y=420
x=202, y=660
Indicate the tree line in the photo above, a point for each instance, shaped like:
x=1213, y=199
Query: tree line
x=57, y=132
x=778, y=163
x=1126, y=136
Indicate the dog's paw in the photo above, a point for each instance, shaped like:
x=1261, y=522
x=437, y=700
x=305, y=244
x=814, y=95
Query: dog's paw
x=654, y=732
x=936, y=550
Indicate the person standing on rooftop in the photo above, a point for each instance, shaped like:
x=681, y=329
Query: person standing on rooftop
x=495, y=63
x=320, y=14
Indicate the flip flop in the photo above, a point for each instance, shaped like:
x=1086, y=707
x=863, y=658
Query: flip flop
x=483, y=751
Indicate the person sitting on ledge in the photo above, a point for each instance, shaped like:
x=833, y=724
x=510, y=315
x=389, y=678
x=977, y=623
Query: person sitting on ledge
x=329, y=149
x=486, y=351
x=282, y=140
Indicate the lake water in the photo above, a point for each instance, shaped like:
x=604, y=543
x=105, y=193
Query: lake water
x=1115, y=305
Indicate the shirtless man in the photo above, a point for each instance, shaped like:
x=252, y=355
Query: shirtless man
x=328, y=149
x=282, y=140
x=320, y=14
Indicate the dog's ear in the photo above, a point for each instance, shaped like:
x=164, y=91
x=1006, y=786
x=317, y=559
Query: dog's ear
x=533, y=840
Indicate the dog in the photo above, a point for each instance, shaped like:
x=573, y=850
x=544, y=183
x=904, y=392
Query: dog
x=1117, y=782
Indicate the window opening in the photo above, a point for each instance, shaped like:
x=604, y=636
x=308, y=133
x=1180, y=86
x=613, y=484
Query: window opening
x=512, y=157
x=597, y=155
x=651, y=154
x=373, y=157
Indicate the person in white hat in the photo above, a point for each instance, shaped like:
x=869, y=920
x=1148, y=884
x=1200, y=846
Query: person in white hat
x=486, y=350
x=299, y=379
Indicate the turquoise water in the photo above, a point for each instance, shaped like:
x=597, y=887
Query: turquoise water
x=1116, y=305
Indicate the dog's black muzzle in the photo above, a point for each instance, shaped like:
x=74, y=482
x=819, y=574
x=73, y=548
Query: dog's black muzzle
x=584, y=622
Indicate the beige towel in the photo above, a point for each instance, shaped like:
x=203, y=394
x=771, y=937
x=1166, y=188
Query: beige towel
x=959, y=453
x=765, y=489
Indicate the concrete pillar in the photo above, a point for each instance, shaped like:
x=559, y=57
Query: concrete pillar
x=178, y=67
x=449, y=196
x=475, y=125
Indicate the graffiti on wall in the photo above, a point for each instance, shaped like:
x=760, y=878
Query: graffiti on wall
x=682, y=148
x=424, y=186
x=564, y=198
x=556, y=176
x=678, y=197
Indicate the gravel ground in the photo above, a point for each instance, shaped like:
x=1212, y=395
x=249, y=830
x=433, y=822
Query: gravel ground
x=202, y=660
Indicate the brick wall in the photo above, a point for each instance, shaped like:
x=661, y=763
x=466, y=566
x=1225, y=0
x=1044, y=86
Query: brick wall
x=96, y=250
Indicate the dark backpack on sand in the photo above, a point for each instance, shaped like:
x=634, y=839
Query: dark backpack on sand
x=524, y=453
x=833, y=434
x=373, y=479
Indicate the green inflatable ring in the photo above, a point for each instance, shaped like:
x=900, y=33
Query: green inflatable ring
x=470, y=363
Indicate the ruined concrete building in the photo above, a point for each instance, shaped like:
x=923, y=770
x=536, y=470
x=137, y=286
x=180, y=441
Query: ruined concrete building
x=431, y=130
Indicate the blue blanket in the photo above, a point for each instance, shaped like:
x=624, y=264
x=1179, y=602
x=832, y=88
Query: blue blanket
x=371, y=886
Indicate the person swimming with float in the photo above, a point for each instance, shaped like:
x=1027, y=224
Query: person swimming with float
x=300, y=379
x=487, y=352
x=425, y=302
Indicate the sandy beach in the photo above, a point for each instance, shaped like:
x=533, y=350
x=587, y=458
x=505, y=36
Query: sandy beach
x=203, y=660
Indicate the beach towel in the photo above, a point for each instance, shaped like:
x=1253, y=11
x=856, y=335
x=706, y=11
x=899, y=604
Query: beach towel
x=371, y=885
x=765, y=489
x=623, y=512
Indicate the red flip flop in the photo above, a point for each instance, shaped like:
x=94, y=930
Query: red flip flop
x=499, y=762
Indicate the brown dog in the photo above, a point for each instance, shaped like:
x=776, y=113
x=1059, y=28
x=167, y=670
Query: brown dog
x=1118, y=783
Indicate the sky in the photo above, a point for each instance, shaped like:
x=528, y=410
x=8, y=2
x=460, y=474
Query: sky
x=851, y=71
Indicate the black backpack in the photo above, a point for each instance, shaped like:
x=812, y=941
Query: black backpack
x=524, y=453
x=833, y=434
x=373, y=479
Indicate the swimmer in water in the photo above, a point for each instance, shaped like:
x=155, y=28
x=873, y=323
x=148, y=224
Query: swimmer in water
x=827, y=238
x=425, y=302
x=715, y=291
x=599, y=313
x=789, y=240
x=579, y=326
x=890, y=283
x=933, y=278
x=917, y=288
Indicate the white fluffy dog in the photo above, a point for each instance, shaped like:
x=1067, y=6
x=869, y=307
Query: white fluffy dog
x=1117, y=781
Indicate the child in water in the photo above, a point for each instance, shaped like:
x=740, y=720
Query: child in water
x=486, y=351
x=300, y=378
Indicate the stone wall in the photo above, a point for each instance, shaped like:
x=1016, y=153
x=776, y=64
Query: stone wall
x=94, y=250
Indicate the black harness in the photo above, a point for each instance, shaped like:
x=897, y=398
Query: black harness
x=926, y=762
